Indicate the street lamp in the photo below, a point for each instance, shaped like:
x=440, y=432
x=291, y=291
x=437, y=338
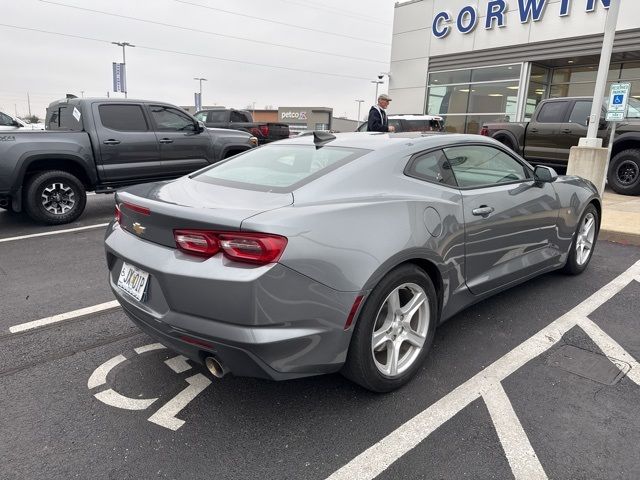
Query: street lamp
x=124, y=62
x=359, y=105
x=200, y=80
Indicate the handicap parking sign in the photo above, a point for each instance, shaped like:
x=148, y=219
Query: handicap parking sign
x=618, y=100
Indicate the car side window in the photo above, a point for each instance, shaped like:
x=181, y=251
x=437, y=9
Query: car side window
x=170, y=119
x=236, y=117
x=580, y=113
x=432, y=167
x=6, y=120
x=552, y=112
x=480, y=165
x=124, y=118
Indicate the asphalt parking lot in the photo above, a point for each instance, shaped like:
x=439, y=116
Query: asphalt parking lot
x=538, y=382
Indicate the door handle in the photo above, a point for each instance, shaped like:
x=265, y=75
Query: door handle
x=566, y=130
x=534, y=130
x=111, y=141
x=483, y=211
x=165, y=140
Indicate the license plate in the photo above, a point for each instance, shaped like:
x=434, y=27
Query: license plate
x=133, y=281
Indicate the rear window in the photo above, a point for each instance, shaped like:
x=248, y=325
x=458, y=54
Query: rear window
x=552, y=112
x=64, y=117
x=278, y=168
x=423, y=125
x=126, y=118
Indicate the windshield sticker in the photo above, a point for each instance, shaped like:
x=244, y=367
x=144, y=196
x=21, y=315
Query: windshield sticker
x=76, y=114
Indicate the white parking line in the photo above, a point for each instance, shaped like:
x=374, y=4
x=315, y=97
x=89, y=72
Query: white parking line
x=166, y=415
x=64, y=316
x=520, y=454
x=178, y=364
x=55, y=232
x=149, y=348
x=376, y=459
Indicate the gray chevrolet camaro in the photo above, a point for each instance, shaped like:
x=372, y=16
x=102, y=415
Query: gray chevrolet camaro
x=343, y=253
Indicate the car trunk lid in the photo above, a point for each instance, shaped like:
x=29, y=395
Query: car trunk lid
x=154, y=211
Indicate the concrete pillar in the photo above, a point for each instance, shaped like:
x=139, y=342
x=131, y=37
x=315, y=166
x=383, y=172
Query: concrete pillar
x=589, y=163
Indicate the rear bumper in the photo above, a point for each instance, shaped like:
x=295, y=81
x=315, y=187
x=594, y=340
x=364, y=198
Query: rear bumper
x=269, y=322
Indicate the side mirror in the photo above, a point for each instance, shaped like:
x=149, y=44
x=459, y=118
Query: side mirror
x=200, y=127
x=15, y=123
x=545, y=174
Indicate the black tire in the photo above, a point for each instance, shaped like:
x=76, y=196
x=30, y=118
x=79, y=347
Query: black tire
x=624, y=172
x=54, y=197
x=507, y=143
x=362, y=366
x=575, y=263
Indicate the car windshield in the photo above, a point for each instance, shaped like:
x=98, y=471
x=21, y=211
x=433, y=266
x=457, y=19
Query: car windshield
x=278, y=167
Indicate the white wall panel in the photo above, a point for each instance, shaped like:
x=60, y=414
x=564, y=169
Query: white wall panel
x=408, y=73
x=413, y=16
x=407, y=100
x=411, y=45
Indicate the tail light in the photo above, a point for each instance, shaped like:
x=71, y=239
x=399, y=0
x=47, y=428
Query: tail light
x=264, y=130
x=484, y=131
x=117, y=214
x=256, y=248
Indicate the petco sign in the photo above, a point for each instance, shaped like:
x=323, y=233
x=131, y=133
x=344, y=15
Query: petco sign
x=293, y=115
x=467, y=19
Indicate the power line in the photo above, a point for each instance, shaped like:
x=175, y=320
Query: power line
x=282, y=23
x=190, y=54
x=208, y=32
x=364, y=18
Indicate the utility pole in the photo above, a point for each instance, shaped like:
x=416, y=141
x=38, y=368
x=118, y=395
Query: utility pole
x=592, y=139
x=81, y=93
x=200, y=79
x=359, y=105
x=124, y=62
x=29, y=103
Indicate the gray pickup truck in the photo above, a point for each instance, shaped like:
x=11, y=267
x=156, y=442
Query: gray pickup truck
x=559, y=123
x=100, y=145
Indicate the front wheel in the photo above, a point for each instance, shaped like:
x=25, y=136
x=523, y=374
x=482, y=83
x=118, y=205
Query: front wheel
x=394, y=331
x=624, y=172
x=55, y=197
x=584, y=242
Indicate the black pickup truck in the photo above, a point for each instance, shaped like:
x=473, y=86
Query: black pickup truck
x=100, y=145
x=559, y=123
x=243, y=120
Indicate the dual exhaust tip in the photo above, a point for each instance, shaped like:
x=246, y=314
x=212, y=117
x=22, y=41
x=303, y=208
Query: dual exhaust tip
x=215, y=367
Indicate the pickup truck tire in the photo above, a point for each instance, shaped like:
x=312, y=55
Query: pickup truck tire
x=54, y=197
x=624, y=172
x=506, y=141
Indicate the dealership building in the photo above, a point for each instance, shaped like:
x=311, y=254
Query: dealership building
x=495, y=60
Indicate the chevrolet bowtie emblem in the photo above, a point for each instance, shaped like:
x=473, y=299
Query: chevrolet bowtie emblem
x=139, y=229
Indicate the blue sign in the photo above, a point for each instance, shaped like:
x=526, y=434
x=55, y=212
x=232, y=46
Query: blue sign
x=618, y=99
x=468, y=17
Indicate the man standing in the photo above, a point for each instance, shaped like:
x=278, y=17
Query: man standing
x=377, y=121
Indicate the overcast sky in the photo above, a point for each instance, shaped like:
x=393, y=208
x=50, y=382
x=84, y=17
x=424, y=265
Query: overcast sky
x=356, y=49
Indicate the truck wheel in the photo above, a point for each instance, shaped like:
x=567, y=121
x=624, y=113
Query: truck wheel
x=55, y=197
x=506, y=142
x=624, y=172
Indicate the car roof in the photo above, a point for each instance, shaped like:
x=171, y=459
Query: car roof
x=414, y=117
x=378, y=140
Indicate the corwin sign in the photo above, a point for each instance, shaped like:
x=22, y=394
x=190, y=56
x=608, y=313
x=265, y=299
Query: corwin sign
x=530, y=10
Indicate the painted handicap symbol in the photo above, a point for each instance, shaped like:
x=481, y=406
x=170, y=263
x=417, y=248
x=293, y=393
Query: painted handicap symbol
x=165, y=416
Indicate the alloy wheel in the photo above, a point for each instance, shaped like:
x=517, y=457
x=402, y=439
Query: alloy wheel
x=400, y=329
x=627, y=172
x=58, y=198
x=586, y=237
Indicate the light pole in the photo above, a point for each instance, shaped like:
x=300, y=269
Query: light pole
x=359, y=105
x=200, y=79
x=124, y=62
x=377, y=82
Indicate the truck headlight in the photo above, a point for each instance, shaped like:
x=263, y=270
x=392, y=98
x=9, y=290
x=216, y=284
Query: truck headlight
x=253, y=141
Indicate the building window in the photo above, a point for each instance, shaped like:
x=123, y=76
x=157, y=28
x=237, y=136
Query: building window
x=321, y=126
x=468, y=98
x=580, y=81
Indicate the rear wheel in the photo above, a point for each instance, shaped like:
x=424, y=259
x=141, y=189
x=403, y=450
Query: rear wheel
x=506, y=141
x=55, y=197
x=583, y=243
x=624, y=172
x=394, y=331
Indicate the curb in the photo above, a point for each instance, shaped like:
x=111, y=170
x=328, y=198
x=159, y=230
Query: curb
x=624, y=238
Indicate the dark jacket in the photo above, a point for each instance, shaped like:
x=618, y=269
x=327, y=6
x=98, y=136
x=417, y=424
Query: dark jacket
x=376, y=123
